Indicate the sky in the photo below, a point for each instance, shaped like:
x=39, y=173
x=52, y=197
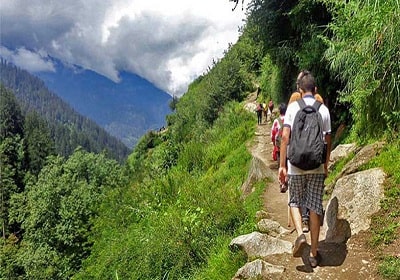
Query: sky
x=167, y=42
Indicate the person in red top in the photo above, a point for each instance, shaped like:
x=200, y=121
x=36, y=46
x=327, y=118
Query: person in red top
x=275, y=131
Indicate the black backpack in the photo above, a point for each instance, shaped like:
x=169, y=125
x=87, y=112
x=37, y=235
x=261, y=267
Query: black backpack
x=307, y=149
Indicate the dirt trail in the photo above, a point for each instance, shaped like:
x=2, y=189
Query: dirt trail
x=339, y=261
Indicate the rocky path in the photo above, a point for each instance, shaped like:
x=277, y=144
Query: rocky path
x=340, y=261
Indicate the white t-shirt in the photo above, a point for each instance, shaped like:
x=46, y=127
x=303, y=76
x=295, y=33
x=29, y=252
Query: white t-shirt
x=291, y=111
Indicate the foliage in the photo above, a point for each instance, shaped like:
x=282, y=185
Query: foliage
x=38, y=142
x=386, y=223
x=77, y=216
x=390, y=268
x=11, y=156
x=225, y=81
x=56, y=214
x=68, y=129
x=217, y=266
x=271, y=81
x=173, y=219
x=364, y=52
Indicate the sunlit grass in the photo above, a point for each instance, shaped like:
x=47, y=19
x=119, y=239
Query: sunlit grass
x=386, y=223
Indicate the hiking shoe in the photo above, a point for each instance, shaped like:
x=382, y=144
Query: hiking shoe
x=314, y=261
x=305, y=226
x=299, y=246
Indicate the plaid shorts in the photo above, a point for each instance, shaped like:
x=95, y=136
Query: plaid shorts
x=307, y=191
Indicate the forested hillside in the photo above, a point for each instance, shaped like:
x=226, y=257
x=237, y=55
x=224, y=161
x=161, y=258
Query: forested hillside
x=171, y=211
x=68, y=129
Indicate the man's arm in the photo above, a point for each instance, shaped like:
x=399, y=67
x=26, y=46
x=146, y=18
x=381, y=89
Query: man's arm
x=328, y=140
x=282, y=173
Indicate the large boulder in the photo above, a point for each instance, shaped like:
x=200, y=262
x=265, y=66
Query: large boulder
x=361, y=157
x=354, y=199
x=258, y=245
x=258, y=171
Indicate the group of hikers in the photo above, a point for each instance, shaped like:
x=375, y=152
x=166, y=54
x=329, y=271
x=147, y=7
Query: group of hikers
x=262, y=109
x=301, y=135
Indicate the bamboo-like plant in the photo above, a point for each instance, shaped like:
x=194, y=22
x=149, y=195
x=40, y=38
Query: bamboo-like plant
x=365, y=53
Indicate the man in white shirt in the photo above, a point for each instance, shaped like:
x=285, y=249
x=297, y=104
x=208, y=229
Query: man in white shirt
x=306, y=187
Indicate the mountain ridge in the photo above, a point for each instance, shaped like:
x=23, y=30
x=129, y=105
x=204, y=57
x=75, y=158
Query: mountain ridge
x=69, y=129
x=126, y=110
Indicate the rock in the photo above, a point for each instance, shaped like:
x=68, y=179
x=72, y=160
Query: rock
x=271, y=228
x=258, y=245
x=363, y=156
x=258, y=171
x=251, y=107
x=341, y=151
x=257, y=269
x=355, y=198
x=262, y=214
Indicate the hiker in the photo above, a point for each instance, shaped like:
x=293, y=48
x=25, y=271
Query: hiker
x=270, y=109
x=305, y=212
x=259, y=110
x=306, y=185
x=276, y=131
x=265, y=111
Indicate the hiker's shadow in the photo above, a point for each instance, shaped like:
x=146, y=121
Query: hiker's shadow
x=331, y=254
x=334, y=251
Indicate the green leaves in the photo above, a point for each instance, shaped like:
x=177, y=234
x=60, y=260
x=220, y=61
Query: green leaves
x=167, y=223
x=58, y=213
x=364, y=52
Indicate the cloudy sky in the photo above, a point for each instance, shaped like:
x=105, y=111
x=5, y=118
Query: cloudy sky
x=168, y=42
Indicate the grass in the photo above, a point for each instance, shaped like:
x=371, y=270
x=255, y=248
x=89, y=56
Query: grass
x=389, y=268
x=386, y=223
x=223, y=263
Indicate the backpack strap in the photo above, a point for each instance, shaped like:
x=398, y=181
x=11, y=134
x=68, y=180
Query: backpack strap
x=316, y=105
x=280, y=122
x=301, y=103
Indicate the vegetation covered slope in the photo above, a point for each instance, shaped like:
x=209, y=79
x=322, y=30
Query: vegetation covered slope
x=68, y=128
x=171, y=211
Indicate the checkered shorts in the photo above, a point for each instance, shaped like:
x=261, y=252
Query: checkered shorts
x=307, y=191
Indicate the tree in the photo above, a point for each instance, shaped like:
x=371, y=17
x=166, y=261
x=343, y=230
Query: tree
x=59, y=211
x=11, y=155
x=38, y=141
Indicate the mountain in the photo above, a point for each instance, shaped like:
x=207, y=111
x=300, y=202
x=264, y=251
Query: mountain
x=69, y=129
x=126, y=110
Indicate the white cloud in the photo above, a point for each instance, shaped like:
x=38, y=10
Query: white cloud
x=28, y=60
x=167, y=42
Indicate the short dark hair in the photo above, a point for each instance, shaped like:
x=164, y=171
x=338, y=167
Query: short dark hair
x=282, y=108
x=306, y=81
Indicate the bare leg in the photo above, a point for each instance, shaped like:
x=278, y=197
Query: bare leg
x=290, y=219
x=314, y=232
x=296, y=218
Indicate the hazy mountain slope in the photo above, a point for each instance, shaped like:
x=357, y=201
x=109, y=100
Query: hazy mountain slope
x=126, y=110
